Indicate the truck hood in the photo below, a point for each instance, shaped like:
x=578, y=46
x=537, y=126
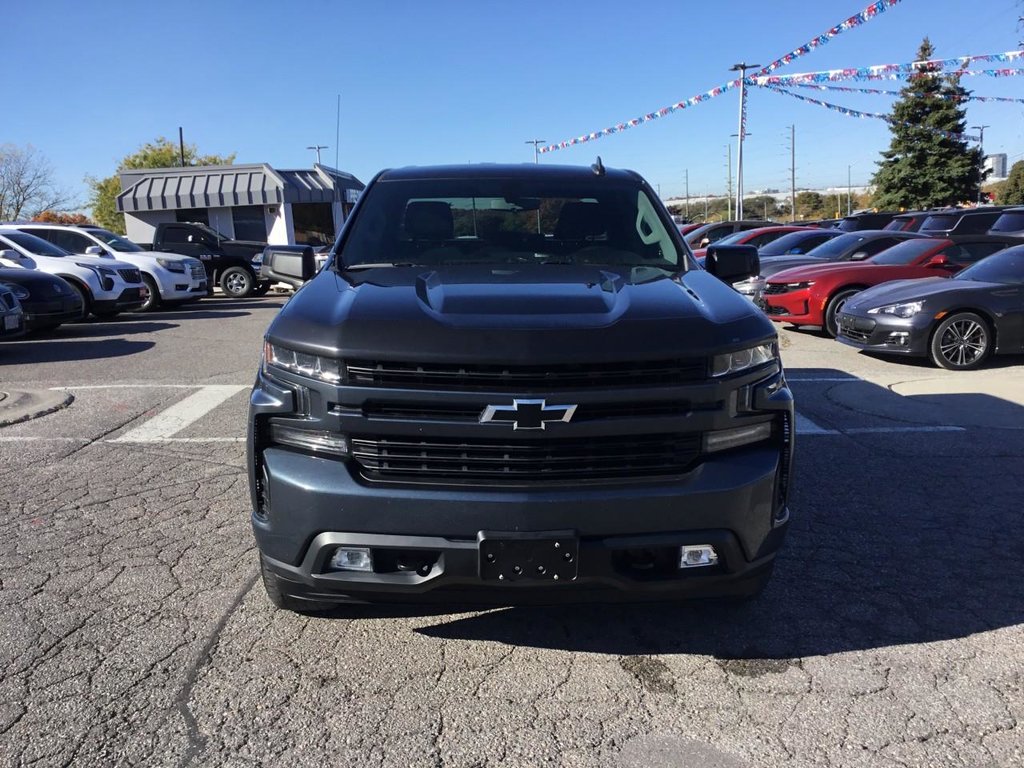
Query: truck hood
x=517, y=314
x=100, y=261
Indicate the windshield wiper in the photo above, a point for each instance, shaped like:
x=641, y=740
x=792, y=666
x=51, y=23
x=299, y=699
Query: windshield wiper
x=375, y=265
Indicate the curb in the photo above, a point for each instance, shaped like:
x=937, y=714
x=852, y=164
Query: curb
x=17, y=406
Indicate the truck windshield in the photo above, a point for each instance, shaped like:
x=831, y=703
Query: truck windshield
x=432, y=222
x=116, y=242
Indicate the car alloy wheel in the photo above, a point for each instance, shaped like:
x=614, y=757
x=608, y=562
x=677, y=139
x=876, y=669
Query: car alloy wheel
x=961, y=342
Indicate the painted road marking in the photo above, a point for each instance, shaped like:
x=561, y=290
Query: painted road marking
x=804, y=426
x=169, y=422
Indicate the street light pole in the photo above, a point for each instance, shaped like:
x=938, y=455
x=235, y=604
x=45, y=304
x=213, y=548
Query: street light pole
x=536, y=151
x=687, y=194
x=849, y=192
x=981, y=146
x=742, y=68
x=316, y=148
x=728, y=183
x=792, y=172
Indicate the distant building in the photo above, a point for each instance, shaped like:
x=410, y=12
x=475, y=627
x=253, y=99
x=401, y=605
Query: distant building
x=242, y=202
x=995, y=165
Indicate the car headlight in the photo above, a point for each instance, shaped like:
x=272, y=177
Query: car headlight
x=102, y=271
x=329, y=369
x=798, y=286
x=20, y=292
x=750, y=285
x=171, y=265
x=904, y=310
x=743, y=360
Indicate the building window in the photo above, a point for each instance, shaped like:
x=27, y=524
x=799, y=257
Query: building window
x=193, y=215
x=250, y=223
x=314, y=223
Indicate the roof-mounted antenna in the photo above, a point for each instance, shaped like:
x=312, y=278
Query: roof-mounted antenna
x=598, y=167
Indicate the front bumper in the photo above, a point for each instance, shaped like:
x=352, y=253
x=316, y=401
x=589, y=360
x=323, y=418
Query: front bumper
x=179, y=286
x=885, y=333
x=795, y=307
x=12, y=325
x=52, y=312
x=128, y=299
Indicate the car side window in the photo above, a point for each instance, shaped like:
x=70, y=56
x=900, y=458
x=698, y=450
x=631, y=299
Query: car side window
x=968, y=253
x=717, y=233
x=175, y=235
x=877, y=246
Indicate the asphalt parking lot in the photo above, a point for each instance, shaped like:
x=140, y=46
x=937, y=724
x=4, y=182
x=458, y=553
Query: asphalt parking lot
x=133, y=630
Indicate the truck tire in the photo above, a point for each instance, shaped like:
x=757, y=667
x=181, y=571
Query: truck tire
x=261, y=290
x=154, y=301
x=237, y=282
x=275, y=587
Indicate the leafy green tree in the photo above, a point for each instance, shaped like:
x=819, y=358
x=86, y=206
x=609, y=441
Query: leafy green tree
x=161, y=153
x=924, y=166
x=1012, y=192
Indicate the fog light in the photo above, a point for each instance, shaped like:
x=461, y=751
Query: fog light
x=697, y=556
x=351, y=559
x=902, y=338
x=724, y=439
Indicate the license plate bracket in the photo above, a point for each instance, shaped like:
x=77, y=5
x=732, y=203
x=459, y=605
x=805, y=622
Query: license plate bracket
x=12, y=322
x=518, y=557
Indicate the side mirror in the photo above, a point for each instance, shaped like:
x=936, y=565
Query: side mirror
x=95, y=250
x=859, y=256
x=937, y=261
x=732, y=263
x=705, y=242
x=292, y=264
x=11, y=254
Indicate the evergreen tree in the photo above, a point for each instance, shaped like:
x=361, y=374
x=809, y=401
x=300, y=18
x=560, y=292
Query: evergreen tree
x=1012, y=192
x=924, y=167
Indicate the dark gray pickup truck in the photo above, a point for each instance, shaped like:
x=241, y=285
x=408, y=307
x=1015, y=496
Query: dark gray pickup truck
x=514, y=384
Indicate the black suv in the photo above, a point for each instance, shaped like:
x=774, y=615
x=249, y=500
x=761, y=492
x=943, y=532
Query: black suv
x=513, y=383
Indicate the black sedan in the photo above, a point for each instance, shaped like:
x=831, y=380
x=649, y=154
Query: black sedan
x=957, y=322
x=47, y=300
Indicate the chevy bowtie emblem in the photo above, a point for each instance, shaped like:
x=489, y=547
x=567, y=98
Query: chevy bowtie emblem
x=527, y=414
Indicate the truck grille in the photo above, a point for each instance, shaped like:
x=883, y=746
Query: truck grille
x=471, y=413
x=598, y=458
x=130, y=275
x=524, y=378
x=198, y=271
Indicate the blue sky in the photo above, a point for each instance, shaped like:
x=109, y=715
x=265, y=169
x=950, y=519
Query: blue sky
x=448, y=81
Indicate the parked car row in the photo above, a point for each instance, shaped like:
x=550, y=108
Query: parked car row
x=888, y=290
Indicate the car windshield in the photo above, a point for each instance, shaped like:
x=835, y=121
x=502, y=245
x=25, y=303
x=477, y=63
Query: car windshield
x=1011, y=221
x=906, y=252
x=34, y=245
x=118, y=243
x=837, y=246
x=944, y=221
x=1003, y=267
x=502, y=221
x=790, y=243
x=735, y=237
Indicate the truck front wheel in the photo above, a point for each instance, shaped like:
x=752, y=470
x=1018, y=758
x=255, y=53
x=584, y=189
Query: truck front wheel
x=237, y=282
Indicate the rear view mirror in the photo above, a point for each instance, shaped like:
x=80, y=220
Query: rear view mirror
x=732, y=263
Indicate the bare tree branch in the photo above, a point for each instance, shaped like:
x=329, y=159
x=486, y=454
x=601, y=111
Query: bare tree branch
x=27, y=186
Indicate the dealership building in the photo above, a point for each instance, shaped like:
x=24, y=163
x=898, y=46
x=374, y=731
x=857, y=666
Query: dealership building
x=242, y=202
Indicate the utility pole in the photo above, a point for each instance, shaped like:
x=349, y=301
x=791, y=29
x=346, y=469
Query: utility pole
x=687, y=194
x=658, y=187
x=742, y=68
x=981, y=146
x=792, y=172
x=728, y=184
x=181, y=145
x=536, y=148
x=849, y=192
x=316, y=148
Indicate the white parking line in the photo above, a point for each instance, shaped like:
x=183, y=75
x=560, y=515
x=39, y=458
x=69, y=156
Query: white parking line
x=805, y=426
x=168, y=423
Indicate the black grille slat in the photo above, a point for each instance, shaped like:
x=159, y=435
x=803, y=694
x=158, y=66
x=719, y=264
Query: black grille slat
x=773, y=289
x=598, y=458
x=130, y=275
x=584, y=412
x=522, y=378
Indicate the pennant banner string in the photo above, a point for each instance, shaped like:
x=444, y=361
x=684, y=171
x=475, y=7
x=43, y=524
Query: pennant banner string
x=913, y=68
x=857, y=113
x=883, y=92
x=856, y=20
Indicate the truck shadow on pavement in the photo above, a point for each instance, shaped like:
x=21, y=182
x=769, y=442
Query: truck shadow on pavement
x=897, y=537
x=64, y=351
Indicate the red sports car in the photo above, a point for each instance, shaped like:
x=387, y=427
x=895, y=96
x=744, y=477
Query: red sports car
x=813, y=295
x=755, y=237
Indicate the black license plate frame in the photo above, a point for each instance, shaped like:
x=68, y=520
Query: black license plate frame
x=517, y=557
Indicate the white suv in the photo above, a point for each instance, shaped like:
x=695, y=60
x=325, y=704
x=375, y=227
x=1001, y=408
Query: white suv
x=106, y=286
x=170, y=277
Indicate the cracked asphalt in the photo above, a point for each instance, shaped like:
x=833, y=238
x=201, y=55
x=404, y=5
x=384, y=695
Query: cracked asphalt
x=133, y=630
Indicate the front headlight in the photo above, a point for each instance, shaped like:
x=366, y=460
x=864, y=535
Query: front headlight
x=102, y=271
x=743, y=360
x=20, y=292
x=750, y=285
x=904, y=310
x=317, y=367
x=171, y=265
x=798, y=286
